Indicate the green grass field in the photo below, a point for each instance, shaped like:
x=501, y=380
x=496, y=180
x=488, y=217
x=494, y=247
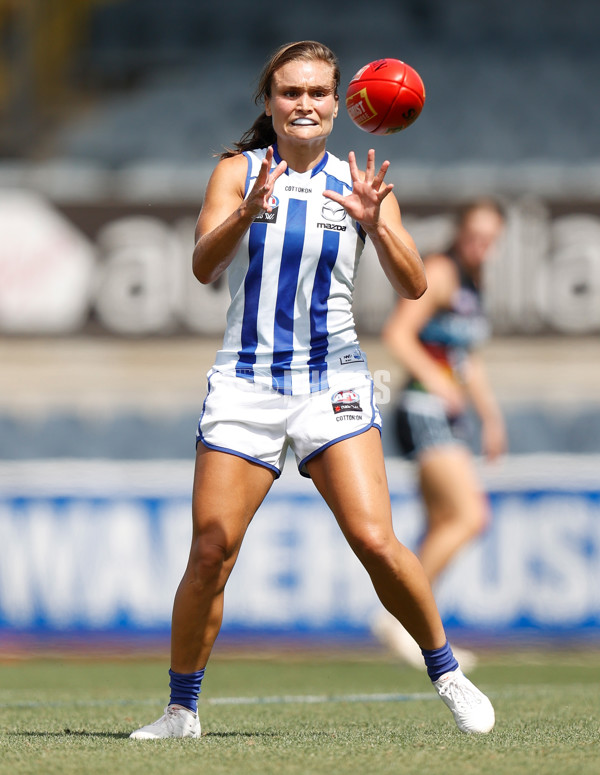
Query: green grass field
x=299, y=715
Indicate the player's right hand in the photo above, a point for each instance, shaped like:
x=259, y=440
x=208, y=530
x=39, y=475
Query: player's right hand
x=259, y=198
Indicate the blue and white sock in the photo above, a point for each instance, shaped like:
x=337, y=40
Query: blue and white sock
x=439, y=661
x=185, y=688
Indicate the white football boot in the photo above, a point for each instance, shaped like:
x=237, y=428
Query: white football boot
x=176, y=722
x=472, y=710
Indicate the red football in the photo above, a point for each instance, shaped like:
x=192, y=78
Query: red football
x=385, y=96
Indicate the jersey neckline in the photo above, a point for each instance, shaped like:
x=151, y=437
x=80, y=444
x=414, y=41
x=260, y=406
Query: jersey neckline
x=314, y=171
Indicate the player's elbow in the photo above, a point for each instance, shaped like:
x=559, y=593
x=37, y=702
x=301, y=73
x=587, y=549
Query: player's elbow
x=415, y=290
x=205, y=278
x=203, y=271
x=421, y=288
x=414, y=282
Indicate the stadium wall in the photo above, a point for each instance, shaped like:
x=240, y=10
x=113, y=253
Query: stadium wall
x=86, y=252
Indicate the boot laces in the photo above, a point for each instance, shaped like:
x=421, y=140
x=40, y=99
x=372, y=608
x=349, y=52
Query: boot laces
x=460, y=695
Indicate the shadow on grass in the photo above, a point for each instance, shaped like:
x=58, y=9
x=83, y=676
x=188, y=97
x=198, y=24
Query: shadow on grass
x=240, y=734
x=74, y=733
x=125, y=735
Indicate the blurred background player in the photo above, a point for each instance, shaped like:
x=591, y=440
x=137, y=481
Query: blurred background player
x=436, y=339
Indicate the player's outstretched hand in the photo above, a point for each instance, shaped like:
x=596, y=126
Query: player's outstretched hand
x=368, y=192
x=260, y=194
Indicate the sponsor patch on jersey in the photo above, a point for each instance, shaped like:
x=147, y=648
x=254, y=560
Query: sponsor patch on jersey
x=355, y=356
x=266, y=217
x=346, y=401
x=299, y=189
x=331, y=226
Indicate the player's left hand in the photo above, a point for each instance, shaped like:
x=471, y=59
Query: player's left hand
x=368, y=192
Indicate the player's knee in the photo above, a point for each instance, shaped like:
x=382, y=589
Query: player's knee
x=372, y=547
x=476, y=519
x=208, y=557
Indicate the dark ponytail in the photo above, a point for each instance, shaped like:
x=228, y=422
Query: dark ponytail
x=260, y=135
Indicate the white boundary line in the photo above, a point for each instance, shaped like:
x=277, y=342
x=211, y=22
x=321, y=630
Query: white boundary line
x=535, y=690
x=285, y=699
x=313, y=699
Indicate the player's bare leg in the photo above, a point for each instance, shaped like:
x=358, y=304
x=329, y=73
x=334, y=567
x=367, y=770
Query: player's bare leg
x=364, y=515
x=456, y=512
x=456, y=508
x=227, y=492
x=363, y=512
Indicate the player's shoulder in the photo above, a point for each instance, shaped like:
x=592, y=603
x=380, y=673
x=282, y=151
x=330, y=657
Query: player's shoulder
x=230, y=172
x=238, y=162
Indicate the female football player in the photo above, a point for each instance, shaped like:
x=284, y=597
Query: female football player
x=291, y=372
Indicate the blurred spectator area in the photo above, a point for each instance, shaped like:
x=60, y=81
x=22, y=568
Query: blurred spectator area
x=99, y=397
x=41, y=45
x=110, y=113
x=119, y=81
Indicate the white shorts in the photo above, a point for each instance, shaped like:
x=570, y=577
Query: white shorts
x=256, y=422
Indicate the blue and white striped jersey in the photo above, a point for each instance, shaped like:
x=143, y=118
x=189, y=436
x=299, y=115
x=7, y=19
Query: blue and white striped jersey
x=290, y=321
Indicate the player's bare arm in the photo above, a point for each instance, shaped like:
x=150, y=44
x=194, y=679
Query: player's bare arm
x=401, y=334
x=493, y=430
x=374, y=206
x=226, y=215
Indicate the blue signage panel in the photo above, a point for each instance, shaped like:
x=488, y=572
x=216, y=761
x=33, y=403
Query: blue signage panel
x=99, y=547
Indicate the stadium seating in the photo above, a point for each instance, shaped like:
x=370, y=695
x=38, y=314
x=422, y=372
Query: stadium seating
x=173, y=82
x=502, y=88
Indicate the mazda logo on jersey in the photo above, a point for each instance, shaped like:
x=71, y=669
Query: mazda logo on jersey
x=332, y=211
x=266, y=217
x=345, y=401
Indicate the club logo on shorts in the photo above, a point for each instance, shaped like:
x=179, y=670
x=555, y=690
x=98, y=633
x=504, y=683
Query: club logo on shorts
x=346, y=401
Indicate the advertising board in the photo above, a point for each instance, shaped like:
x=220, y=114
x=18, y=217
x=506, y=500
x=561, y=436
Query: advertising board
x=98, y=548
